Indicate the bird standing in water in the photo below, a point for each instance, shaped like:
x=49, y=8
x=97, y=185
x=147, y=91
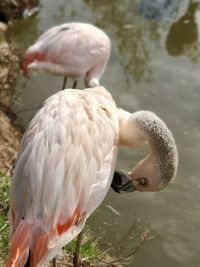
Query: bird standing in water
x=66, y=164
x=71, y=49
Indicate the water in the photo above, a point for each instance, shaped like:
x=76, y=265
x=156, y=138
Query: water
x=154, y=66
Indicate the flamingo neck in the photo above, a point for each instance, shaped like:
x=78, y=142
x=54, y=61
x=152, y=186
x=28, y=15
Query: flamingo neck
x=129, y=134
x=93, y=83
x=144, y=126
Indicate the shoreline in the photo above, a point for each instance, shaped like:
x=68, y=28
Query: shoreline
x=10, y=136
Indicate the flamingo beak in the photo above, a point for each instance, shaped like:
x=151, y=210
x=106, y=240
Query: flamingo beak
x=122, y=183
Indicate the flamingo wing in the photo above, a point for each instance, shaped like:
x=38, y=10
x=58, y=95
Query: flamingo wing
x=64, y=170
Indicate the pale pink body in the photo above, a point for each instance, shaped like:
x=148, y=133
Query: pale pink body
x=71, y=49
x=65, y=168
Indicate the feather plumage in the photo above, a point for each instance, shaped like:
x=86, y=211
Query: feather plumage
x=71, y=49
x=65, y=168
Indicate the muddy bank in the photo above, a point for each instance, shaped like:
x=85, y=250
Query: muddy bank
x=9, y=71
x=9, y=143
x=9, y=134
x=9, y=59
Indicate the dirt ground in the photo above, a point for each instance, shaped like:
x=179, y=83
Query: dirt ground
x=9, y=71
x=9, y=135
x=9, y=143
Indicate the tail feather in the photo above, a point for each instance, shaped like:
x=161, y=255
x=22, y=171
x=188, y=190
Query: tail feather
x=40, y=249
x=33, y=245
x=20, y=244
x=25, y=250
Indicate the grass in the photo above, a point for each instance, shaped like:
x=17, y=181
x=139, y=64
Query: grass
x=89, y=248
x=4, y=206
x=90, y=251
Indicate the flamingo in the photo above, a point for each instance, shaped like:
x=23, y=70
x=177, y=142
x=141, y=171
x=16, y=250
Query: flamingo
x=70, y=49
x=65, y=168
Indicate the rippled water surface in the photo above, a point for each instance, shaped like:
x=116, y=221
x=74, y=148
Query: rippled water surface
x=155, y=66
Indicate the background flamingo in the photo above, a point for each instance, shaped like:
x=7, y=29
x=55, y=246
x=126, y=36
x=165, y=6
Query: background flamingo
x=65, y=168
x=71, y=49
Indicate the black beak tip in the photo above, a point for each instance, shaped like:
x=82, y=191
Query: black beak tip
x=122, y=183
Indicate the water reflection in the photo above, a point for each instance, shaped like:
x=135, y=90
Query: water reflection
x=132, y=35
x=182, y=38
x=162, y=10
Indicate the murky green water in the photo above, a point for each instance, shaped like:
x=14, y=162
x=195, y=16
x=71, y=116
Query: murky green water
x=155, y=66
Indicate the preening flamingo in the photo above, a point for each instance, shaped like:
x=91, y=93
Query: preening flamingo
x=159, y=167
x=71, y=49
x=66, y=164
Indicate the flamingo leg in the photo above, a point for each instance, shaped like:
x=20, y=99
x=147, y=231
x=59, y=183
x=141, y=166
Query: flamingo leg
x=54, y=262
x=76, y=259
x=75, y=84
x=64, y=83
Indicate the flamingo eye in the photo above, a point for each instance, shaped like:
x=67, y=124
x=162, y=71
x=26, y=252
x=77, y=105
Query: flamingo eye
x=143, y=181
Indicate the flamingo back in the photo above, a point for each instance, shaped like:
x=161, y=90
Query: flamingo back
x=71, y=49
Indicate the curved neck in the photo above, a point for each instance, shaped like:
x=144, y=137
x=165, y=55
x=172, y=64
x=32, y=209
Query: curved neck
x=142, y=126
x=129, y=133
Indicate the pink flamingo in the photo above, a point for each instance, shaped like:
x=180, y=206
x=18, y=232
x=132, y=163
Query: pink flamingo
x=71, y=49
x=66, y=164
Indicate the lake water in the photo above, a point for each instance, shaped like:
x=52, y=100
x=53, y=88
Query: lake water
x=154, y=65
